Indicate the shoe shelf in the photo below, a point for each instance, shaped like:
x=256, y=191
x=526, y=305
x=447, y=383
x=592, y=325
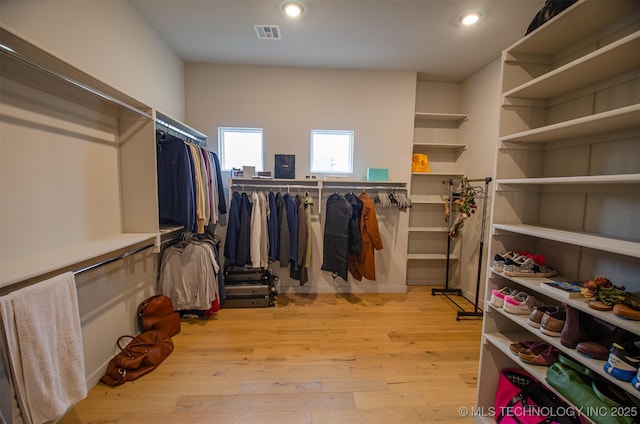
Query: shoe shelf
x=532, y=284
x=502, y=340
x=621, y=247
x=567, y=175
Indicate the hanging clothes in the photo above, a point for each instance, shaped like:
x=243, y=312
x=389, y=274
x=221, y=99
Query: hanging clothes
x=284, y=251
x=256, y=230
x=364, y=264
x=355, y=238
x=202, y=197
x=273, y=225
x=243, y=255
x=292, y=223
x=298, y=269
x=308, y=203
x=188, y=275
x=190, y=189
x=264, y=230
x=222, y=203
x=336, y=230
x=233, y=229
x=176, y=199
x=238, y=244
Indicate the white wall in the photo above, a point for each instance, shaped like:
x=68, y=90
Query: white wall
x=107, y=39
x=480, y=99
x=287, y=103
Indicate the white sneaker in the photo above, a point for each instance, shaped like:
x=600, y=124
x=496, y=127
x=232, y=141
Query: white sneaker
x=497, y=296
x=518, y=304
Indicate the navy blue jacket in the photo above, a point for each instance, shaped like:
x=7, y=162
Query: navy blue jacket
x=233, y=229
x=292, y=222
x=176, y=193
x=273, y=229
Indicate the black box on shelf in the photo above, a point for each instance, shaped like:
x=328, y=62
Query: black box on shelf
x=285, y=167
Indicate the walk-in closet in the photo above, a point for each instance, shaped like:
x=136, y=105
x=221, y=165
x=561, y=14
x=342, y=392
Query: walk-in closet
x=361, y=212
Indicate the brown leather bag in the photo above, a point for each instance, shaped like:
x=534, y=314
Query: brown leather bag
x=156, y=313
x=139, y=357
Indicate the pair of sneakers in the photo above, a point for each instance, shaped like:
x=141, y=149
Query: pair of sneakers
x=522, y=264
x=511, y=301
x=624, y=361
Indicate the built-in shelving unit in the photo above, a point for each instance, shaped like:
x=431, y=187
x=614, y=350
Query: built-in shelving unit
x=567, y=173
x=435, y=135
x=78, y=166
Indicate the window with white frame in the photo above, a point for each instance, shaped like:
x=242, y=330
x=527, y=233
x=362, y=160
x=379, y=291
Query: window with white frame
x=240, y=147
x=332, y=151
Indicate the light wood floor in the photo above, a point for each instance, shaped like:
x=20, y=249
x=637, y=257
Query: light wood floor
x=319, y=358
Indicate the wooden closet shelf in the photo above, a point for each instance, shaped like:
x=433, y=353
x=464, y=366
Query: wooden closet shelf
x=70, y=258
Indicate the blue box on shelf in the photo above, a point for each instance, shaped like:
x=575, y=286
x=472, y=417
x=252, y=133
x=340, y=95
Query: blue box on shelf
x=377, y=174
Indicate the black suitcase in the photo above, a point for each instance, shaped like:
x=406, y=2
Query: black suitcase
x=249, y=302
x=249, y=288
x=237, y=274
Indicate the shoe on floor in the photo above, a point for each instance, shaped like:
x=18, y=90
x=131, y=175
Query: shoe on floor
x=635, y=381
x=535, y=318
x=553, y=322
x=518, y=304
x=497, y=296
x=623, y=360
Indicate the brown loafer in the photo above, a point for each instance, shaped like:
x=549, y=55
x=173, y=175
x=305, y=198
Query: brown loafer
x=542, y=355
x=553, y=322
x=535, y=318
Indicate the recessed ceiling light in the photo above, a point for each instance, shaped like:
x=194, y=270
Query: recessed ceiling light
x=293, y=10
x=470, y=18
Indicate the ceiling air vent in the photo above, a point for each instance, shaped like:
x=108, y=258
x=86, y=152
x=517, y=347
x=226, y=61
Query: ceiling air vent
x=268, y=32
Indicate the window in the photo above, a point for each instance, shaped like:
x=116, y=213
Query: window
x=332, y=151
x=240, y=147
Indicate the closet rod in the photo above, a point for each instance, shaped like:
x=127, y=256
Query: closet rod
x=113, y=259
x=167, y=125
x=18, y=56
x=364, y=187
x=268, y=186
x=35, y=280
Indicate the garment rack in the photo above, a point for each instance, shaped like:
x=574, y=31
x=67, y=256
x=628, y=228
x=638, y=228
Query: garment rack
x=265, y=187
x=477, y=312
x=313, y=184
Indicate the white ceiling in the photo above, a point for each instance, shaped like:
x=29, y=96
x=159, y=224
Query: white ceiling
x=406, y=35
